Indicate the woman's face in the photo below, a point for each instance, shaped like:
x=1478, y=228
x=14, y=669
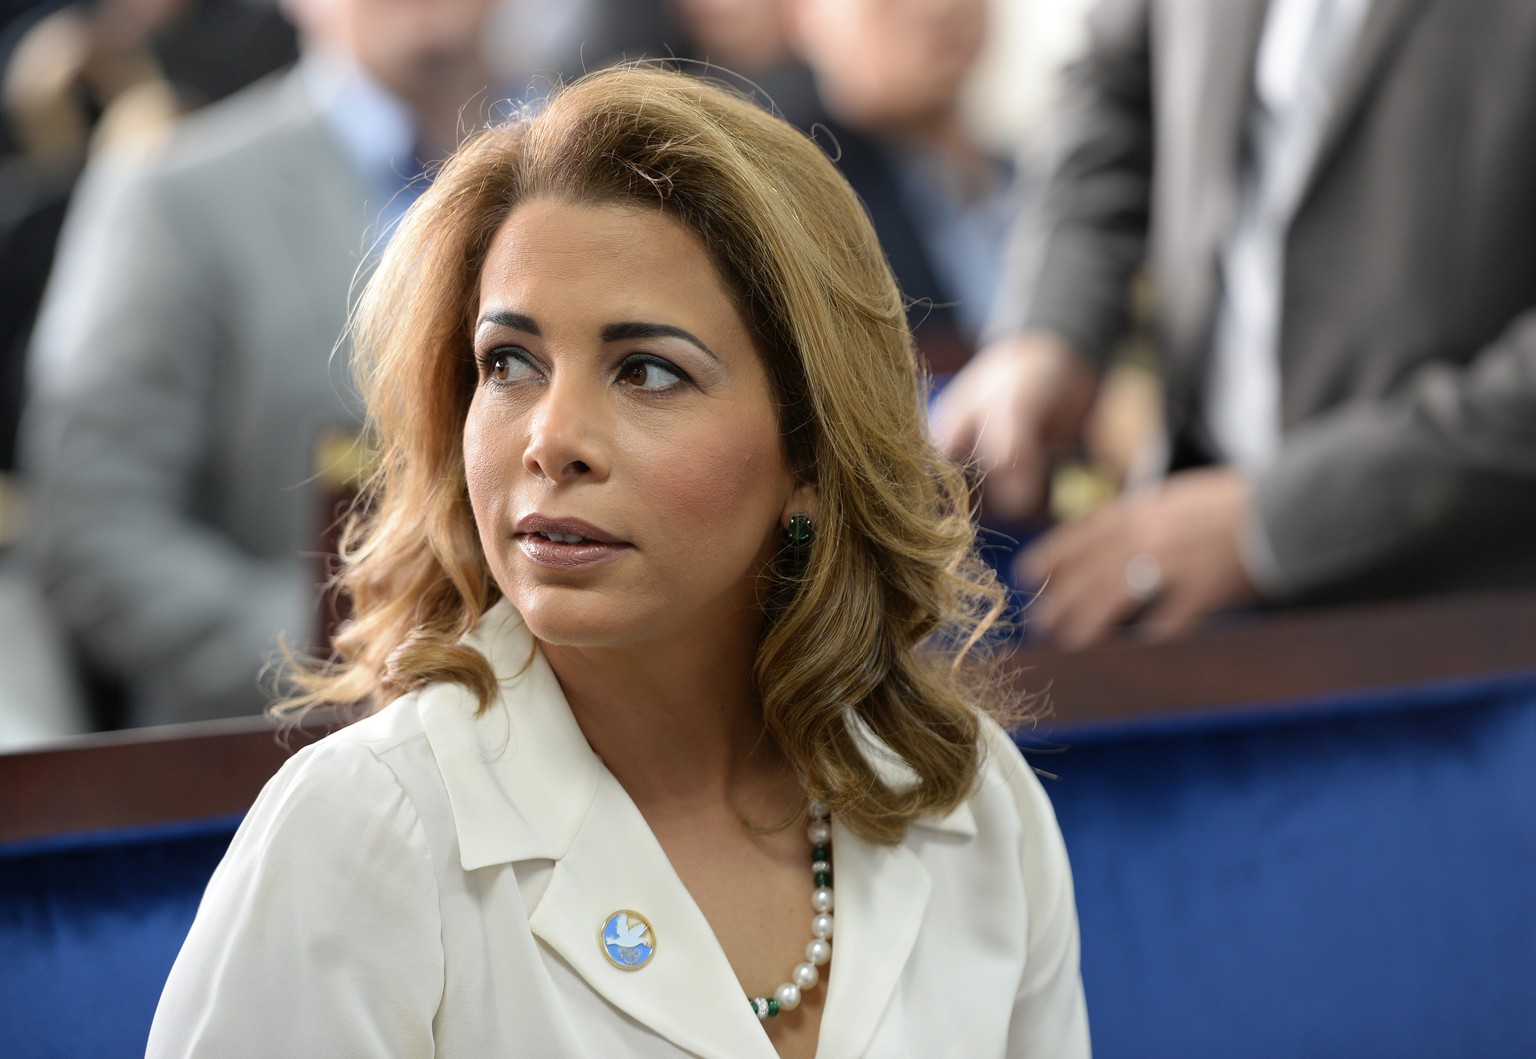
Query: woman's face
x=622, y=449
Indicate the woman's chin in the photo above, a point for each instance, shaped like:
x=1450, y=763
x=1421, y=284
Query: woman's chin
x=558, y=626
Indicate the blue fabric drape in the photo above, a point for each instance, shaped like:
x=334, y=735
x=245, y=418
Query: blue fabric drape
x=1352, y=876
x=89, y=928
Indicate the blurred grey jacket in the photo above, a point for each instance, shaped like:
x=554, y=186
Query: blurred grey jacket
x=182, y=377
x=1407, y=346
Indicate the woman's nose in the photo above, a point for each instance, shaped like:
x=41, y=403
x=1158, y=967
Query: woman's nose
x=567, y=431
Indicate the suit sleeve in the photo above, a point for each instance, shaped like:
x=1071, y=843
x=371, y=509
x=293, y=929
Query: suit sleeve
x=124, y=360
x=320, y=932
x=1073, y=254
x=1445, y=467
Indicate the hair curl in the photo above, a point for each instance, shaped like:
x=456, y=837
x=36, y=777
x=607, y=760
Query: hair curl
x=882, y=633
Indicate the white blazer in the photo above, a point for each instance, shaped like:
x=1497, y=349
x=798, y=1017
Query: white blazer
x=429, y=883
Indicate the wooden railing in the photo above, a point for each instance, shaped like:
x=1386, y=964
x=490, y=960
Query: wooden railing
x=1260, y=660
x=185, y=772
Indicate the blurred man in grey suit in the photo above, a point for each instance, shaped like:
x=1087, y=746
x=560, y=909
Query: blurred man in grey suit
x=1334, y=205
x=183, y=376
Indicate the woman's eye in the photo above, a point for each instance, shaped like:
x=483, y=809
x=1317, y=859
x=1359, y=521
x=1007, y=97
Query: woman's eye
x=649, y=373
x=504, y=364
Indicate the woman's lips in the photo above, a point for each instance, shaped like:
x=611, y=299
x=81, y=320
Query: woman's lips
x=567, y=543
x=561, y=555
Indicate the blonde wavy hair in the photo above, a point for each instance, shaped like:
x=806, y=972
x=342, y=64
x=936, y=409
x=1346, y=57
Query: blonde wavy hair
x=881, y=632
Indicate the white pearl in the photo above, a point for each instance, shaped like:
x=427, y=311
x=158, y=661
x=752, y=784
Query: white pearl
x=821, y=899
x=821, y=926
x=819, y=832
x=818, y=951
x=818, y=809
x=788, y=996
x=805, y=975
x=819, y=866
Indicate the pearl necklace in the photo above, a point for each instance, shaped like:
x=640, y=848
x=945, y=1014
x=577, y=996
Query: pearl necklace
x=805, y=975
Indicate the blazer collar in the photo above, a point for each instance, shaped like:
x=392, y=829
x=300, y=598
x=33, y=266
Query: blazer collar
x=524, y=784
x=520, y=777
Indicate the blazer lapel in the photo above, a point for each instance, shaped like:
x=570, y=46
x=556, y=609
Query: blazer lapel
x=524, y=785
x=1203, y=62
x=882, y=898
x=687, y=991
x=1217, y=78
x=1385, y=23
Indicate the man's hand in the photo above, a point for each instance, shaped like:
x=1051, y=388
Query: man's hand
x=1014, y=407
x=1164, y=557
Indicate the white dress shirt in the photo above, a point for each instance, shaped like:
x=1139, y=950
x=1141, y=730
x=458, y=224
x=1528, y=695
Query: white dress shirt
x=1302, y=51
x=429, y=883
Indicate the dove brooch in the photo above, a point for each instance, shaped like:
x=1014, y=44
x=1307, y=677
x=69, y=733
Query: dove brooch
x=628, y=940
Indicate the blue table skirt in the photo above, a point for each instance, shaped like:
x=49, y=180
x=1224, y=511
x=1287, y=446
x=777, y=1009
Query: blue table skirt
x=1346, y=877
x=89, y=928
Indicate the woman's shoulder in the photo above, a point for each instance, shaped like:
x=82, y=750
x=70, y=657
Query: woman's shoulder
x=335, y=871
x=380, y=761
x=1009, y=802
x=1006, y=816
x=1002, y=759
x=388, y=733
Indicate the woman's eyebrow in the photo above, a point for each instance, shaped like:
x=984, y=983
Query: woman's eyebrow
x=508, y=318
x=636, y=329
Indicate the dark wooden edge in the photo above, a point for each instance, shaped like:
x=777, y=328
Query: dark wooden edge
x=144, y=776
x=1260, y=660
x=190, y=772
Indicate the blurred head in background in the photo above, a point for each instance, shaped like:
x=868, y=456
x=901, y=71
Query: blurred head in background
x=744, y=36
x=410, y=47
x=889, y=65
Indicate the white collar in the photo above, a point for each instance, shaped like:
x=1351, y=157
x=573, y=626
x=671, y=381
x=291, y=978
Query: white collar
x=521, y=777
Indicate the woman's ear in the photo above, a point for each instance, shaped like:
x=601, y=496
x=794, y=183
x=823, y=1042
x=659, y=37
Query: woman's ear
x=802, y=501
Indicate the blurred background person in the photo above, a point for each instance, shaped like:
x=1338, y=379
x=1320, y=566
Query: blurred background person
x=76, y=80
x=747, y=44
x=746, y=37
x=1331, y=200
x=185, y=400
x=894, y=104
x=889, y=77
x=100, y=76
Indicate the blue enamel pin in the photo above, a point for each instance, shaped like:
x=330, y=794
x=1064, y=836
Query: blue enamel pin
x=628, y=940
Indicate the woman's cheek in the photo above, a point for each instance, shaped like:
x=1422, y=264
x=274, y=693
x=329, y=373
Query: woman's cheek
x=484, y=470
